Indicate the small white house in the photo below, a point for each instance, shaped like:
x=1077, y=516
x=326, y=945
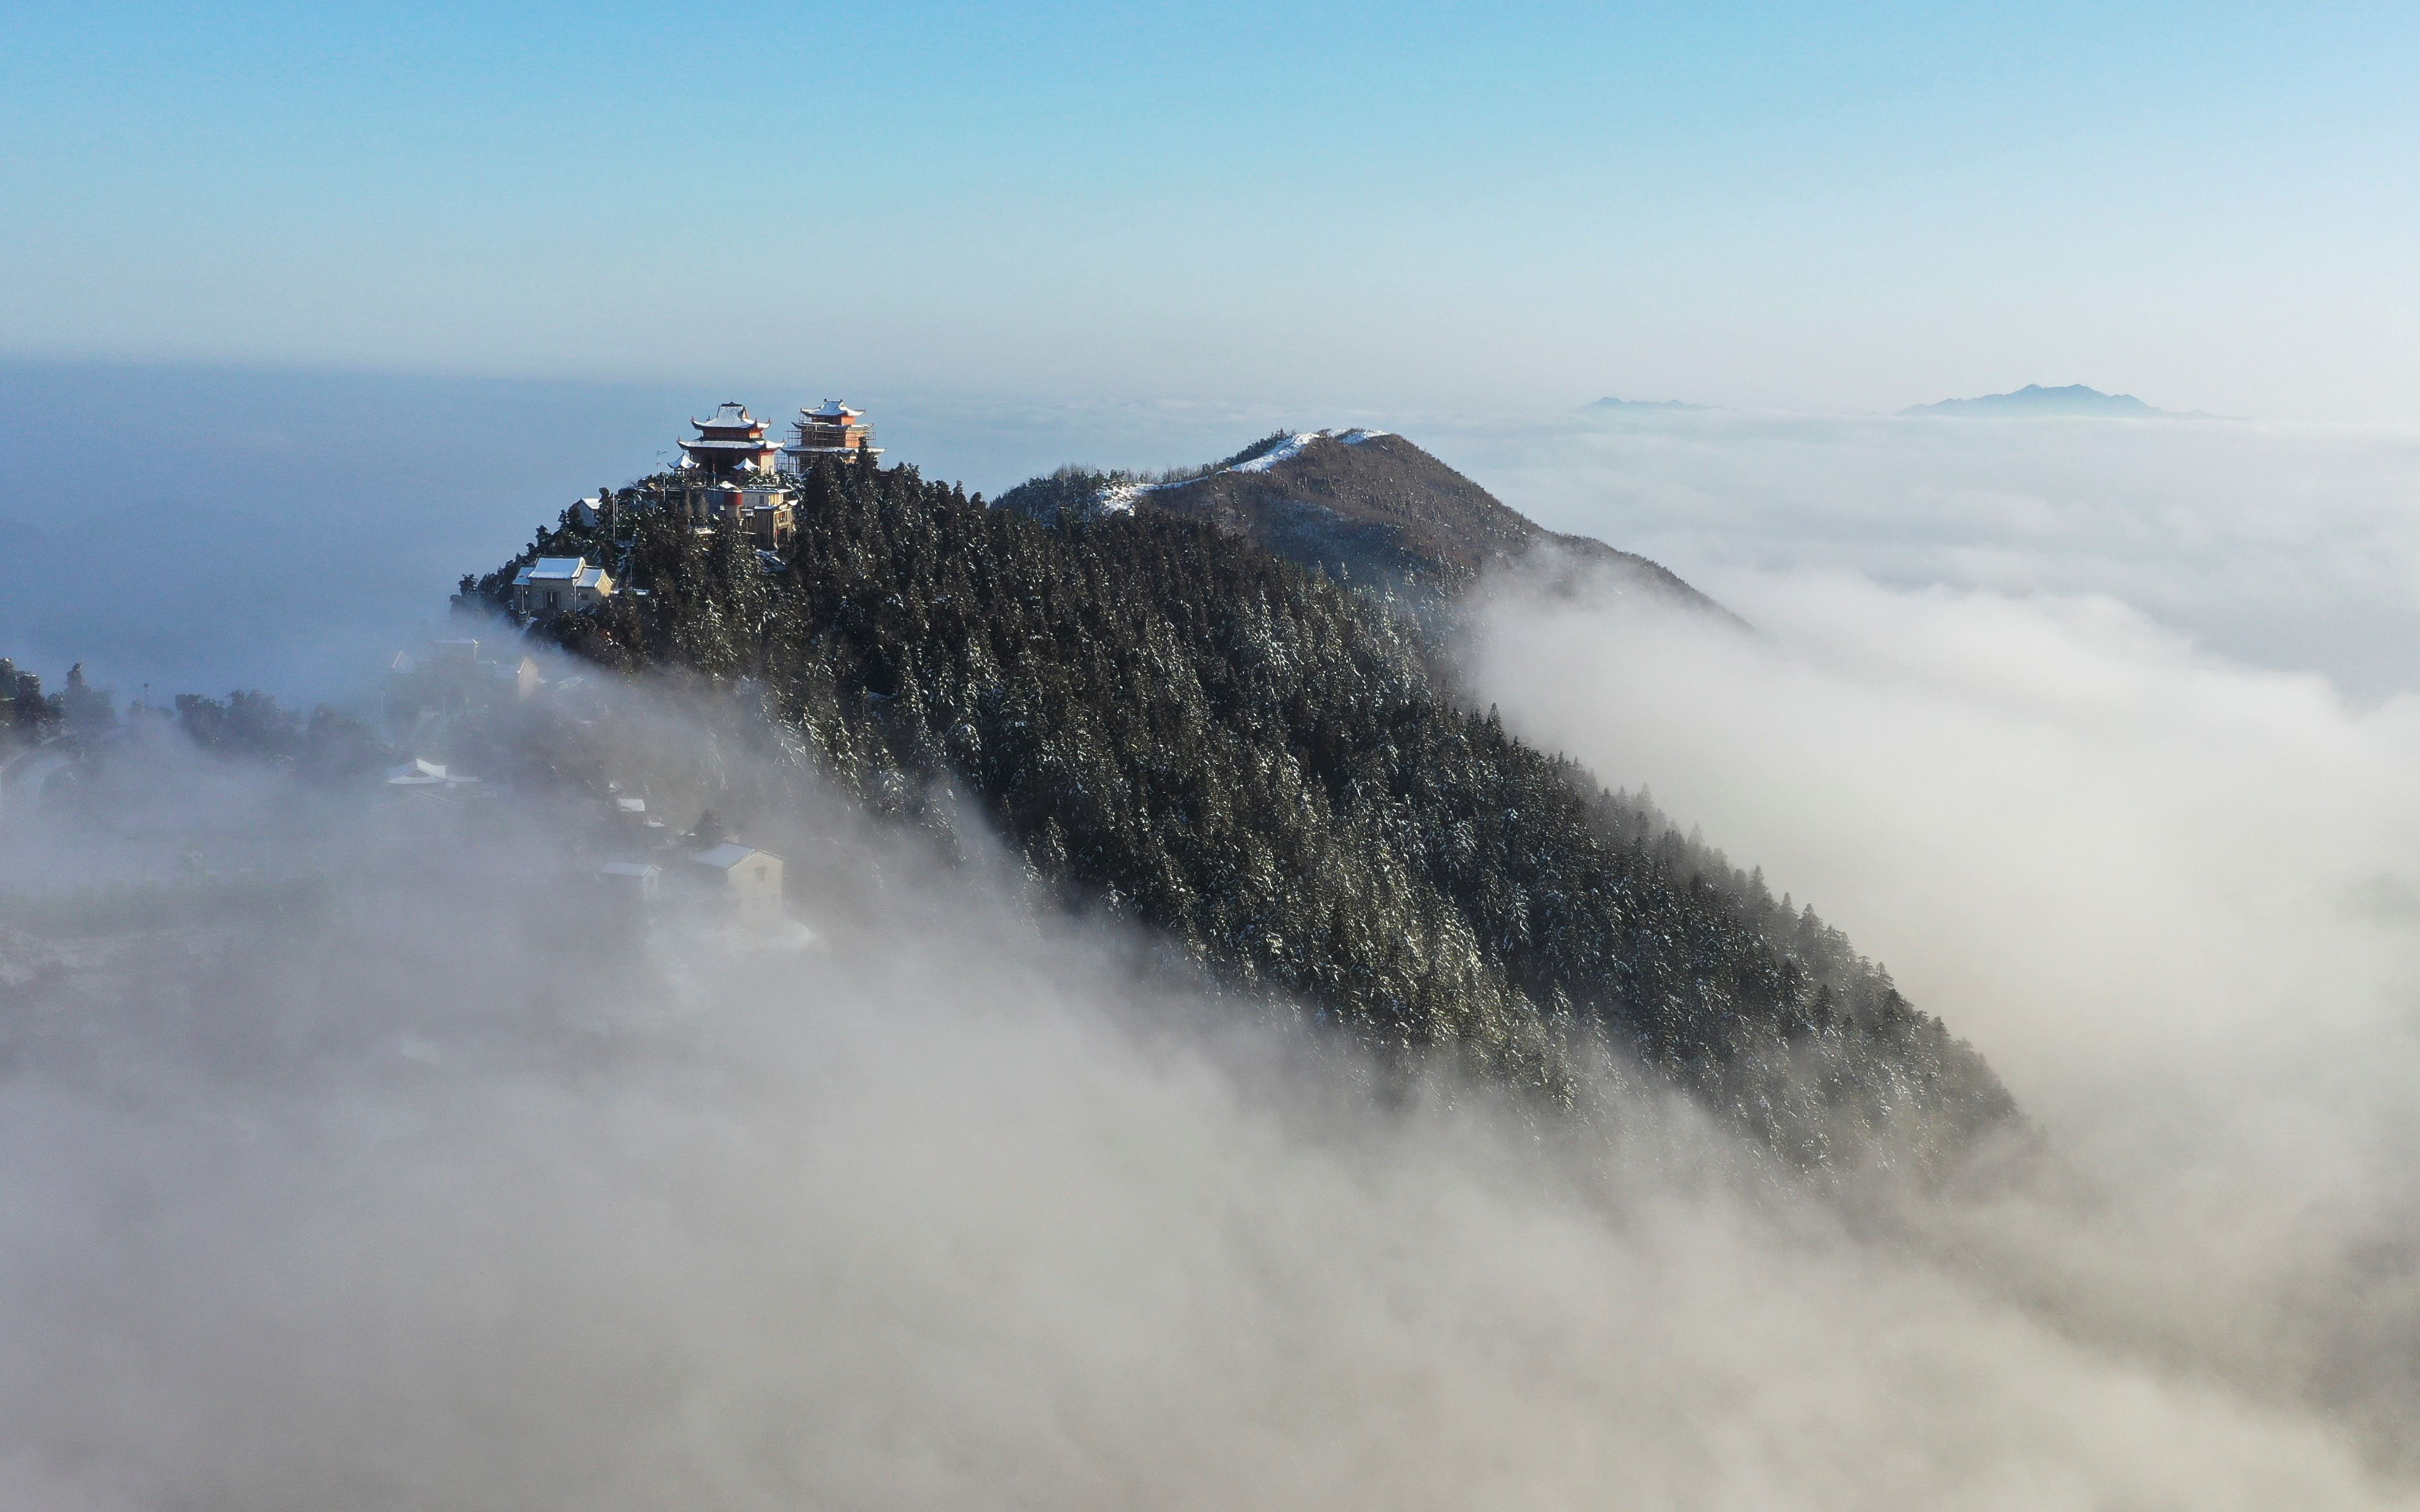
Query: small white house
x=740, y=881
x=552, y=584
x=452, y=674
x=635, y=884
x=517, y=680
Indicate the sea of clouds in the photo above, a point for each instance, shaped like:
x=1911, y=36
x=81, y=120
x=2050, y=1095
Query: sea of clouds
x=425, y=1195
x=2103, y=738
x=405, y=1186
x=2294, y=548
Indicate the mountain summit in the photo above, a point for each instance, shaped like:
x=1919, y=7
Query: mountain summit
x=1262, y=768
x=1362, y=506
x=2074, y=400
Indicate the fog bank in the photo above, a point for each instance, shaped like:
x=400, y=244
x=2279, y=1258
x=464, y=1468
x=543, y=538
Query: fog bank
x=407, y=1188
x=2293, y=547
x=2170, y=896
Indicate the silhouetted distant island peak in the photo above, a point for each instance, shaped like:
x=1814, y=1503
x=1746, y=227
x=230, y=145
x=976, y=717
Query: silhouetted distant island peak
x=1613, y=405
x=2073, y=400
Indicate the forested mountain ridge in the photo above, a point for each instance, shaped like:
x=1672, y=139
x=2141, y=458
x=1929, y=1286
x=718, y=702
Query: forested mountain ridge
x=1175, y=725
x=1366, y=507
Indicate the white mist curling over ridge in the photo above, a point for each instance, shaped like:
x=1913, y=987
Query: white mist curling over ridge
x=412, y=1198
x=2169, y=896
x=2043, y=809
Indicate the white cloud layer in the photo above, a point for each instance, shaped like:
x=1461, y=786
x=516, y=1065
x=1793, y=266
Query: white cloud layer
x=2170, y=896
x=411, y=1193
x=2289, y=547
x=418, y=1198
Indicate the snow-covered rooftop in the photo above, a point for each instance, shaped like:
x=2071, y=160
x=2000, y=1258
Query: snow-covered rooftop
x=724, y=856
x=831, y=410
x=556, y=569
x=422, y=774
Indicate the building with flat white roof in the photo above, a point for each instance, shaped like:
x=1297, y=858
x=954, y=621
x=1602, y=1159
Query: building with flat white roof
x=553, y=585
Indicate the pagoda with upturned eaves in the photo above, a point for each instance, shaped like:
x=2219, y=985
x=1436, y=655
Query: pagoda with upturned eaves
x=730, y=441
x=729, y=467
x=830, y=429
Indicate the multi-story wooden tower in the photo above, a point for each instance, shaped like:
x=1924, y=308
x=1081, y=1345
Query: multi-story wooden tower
x=730, y=441
x=830, y=429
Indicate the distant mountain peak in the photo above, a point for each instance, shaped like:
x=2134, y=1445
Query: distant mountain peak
x=2073, y=400
x=1360, y=505
x=1613, y=405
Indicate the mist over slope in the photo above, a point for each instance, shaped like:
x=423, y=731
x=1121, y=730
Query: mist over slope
x=2172, y=894
x=403, y=1187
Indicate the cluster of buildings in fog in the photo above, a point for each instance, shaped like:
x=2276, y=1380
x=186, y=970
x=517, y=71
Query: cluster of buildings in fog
x=645, y=864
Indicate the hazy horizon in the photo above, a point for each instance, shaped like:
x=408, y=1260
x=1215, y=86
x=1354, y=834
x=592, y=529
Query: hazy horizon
x=300, y=525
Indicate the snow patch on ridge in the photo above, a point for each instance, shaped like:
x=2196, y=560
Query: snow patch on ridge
x=1119, y=498
x=1284, y=451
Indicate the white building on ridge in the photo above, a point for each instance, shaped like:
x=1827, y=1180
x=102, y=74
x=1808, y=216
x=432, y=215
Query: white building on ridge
x=550, y=584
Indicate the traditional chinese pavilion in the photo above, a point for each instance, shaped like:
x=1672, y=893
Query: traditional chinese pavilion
x=831, y=430
x=730, y=441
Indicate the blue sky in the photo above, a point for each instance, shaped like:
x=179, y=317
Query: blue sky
x=1849, y=208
